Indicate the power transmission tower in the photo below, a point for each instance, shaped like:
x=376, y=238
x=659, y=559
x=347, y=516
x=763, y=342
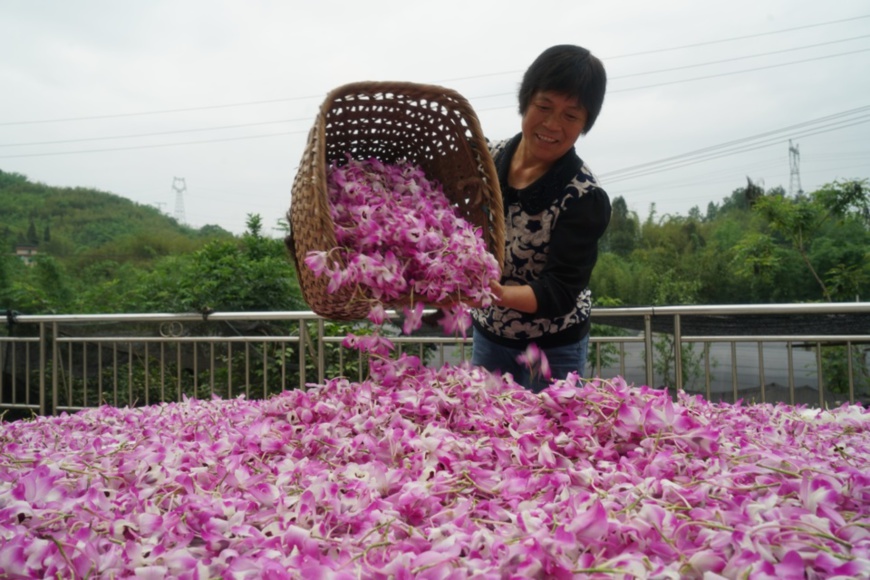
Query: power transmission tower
x=794, y=163
x=180, y=187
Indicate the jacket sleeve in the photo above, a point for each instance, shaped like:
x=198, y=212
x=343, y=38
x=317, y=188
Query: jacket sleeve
x=573, y=252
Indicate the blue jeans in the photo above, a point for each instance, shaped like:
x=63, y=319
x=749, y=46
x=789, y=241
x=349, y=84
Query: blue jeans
x=497, y=358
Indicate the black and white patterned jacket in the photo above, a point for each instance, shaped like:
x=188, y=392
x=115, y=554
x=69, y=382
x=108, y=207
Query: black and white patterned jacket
x=552, y=228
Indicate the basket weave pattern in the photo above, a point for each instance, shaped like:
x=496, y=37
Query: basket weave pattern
x=429, y=126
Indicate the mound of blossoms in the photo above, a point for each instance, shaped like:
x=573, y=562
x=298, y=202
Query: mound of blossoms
x=446, y=473
x=400, y=240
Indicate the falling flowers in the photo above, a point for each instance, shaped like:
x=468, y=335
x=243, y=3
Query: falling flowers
x=439, y=473
x=401, y=241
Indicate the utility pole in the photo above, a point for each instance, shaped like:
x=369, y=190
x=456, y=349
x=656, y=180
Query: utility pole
x=794, y=162
x=179, y=185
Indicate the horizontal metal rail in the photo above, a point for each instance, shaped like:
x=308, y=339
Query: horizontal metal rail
x=56, y=363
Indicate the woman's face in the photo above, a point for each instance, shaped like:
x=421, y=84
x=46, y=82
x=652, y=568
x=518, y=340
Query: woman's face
x=551, y=125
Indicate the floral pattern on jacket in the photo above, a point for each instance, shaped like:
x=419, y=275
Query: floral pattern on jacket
x=567, y=209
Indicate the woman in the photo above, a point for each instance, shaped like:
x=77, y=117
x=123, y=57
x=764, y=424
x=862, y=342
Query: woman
x=555, y=213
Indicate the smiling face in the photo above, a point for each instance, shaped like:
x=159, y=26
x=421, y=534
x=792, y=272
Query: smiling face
x=551, y=125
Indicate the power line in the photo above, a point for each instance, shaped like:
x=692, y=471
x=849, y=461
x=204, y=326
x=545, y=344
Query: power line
x=680, y=81
x=737, y=58
x=739, y=174
x=687, y=162
x=159, y=112
x=740, y=71
x=156, y=134
x=673, y=48
x=734, y=38
x=300, y=98
x=681, y=161
x=156, y=146
x=727, y=144
x=660, y=166
x=299, y=119
x=305, y=131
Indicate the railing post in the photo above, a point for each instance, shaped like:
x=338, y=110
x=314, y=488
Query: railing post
x=303, y=333
x=647, y=339
x=707, y=370
x=55, y=361
x=734, y=387
x=597, y=371
x=790, y=373
x=43, y=355
x=761, y=370
x=321, y=351
x=821, y=378
x=678, y=353
x=851, y=376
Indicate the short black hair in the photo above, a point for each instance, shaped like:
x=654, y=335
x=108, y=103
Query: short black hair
x=571, y=70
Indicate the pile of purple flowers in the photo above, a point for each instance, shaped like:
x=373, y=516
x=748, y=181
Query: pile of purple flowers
x=446, y=473
x=401, y=241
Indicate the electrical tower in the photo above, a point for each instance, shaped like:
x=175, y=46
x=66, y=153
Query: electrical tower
x=180, y=187
x=794, y=164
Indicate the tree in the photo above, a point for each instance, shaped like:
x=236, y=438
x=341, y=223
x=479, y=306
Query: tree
x=623, y=232
x=251, y=274
x=801, y=221
x=42, y=288
x=32, y=236
x=846, y=198
x=712, y=210
x=6, y=266
x=757, y=259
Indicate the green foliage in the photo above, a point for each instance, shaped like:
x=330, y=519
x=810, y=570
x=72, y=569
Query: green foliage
x=340, y=361
x=665, y=365
x=754, y=247
x=836, y=372
x=828, y=229
x=251, y=274
x=101, y=253
x=43, y=287
x=143, y=375
x=623, y=233
x=606, y=355
x=88, y=225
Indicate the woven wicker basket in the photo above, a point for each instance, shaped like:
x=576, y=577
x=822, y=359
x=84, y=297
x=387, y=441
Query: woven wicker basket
x=426, y=125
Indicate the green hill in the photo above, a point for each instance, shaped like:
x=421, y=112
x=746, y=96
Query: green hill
x=80, y=226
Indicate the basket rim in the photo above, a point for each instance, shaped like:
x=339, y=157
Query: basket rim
x=396, y=87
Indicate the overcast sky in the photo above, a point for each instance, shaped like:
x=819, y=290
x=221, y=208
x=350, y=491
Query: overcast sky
x=124, y=97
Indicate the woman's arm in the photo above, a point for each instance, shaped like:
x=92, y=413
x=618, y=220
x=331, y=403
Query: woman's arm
x=573, y=252
x=517, y=297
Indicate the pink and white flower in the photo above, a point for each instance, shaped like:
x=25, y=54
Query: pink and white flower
x=438, y=473
x=401, y=241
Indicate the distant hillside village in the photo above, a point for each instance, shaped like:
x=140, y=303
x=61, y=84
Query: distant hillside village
x=26, y=245
x=27, y=252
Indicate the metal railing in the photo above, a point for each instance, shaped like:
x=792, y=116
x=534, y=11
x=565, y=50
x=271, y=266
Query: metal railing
x=62, y=363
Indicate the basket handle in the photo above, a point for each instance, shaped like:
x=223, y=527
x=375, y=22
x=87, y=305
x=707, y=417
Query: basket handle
x=290, y=244
x=472, y=190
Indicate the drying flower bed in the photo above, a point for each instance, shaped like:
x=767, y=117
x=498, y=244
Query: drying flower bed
x=401, y=241
x=447, y=473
